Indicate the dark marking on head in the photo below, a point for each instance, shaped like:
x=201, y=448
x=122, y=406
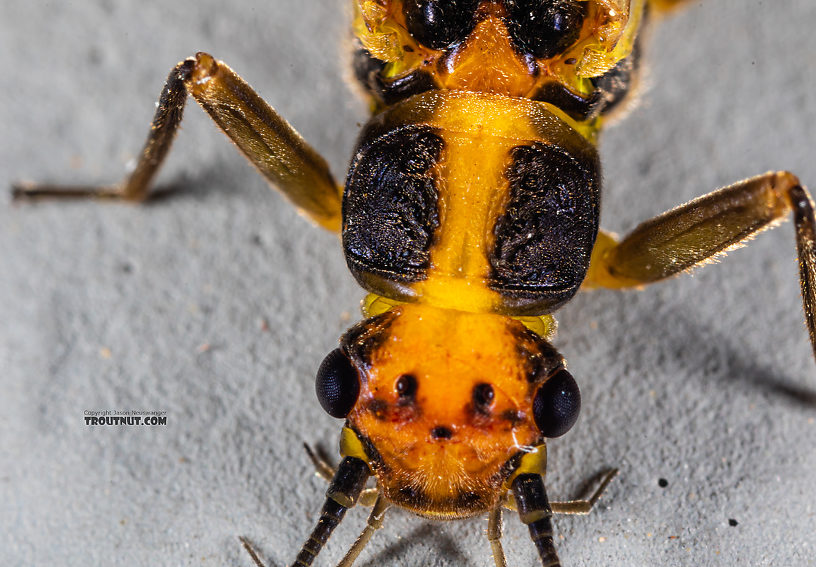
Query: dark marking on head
x=365, y=338
x=410, y=493
x=540, y=358
x=483, y=396
x=515, y=417
x=458, y=505
x=378, y=408
x=441, y=432
x=406, y=389
x=469, y=500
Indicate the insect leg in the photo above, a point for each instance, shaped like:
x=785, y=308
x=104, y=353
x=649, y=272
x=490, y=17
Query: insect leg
x=375, y=521
x=494, y=533
x=534, y=510
x=584, y=506
x=251, y=551
x=699, y=231
x=267, y=140
x=343, y=492
x=324, y=470
x=163, y=129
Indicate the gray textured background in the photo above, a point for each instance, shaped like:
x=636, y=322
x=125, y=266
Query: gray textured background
x=706, y=381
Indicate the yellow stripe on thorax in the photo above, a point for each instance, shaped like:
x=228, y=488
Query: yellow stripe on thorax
x=479, y=133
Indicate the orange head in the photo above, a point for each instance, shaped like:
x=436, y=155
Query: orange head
x=445, y=402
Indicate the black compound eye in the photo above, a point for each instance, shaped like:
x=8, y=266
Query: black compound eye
x=440, y=23
x=557, y=404
x=483, y=397
x=407, y=387
x=545, y=28
x=337, y=384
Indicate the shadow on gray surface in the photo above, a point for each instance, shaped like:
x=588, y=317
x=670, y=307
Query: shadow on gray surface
x=699, y=348
x=766, y=380
x=215, y=179
x=442, y=545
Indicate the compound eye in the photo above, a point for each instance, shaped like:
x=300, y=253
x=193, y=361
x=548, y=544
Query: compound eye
x=557, y=404
x=440, y=23
x=337, y=384
x=545, y=28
